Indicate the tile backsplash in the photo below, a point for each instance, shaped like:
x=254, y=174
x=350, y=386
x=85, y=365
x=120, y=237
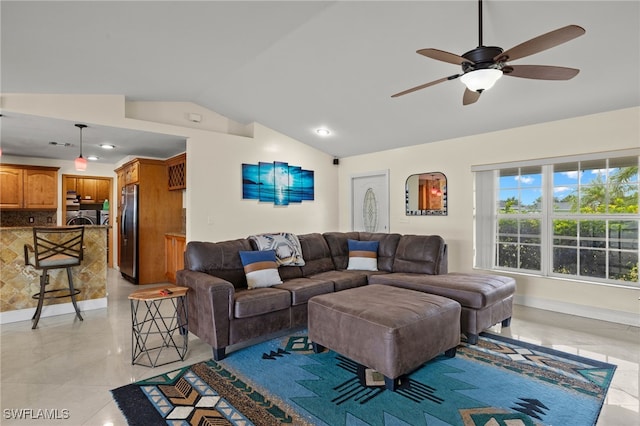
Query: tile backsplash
x=10, y=218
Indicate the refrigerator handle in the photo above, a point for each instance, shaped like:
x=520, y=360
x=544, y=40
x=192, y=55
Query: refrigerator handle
x=123, y=221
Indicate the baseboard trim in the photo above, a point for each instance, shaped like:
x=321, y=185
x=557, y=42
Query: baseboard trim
x=52, y=310
x=627, y=318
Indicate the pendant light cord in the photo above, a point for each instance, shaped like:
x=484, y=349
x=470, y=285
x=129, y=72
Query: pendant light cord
x=81, y=126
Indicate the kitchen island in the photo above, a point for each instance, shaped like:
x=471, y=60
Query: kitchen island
x=18, y=282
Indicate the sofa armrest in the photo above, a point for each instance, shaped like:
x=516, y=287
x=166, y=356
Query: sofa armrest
x=210, y=305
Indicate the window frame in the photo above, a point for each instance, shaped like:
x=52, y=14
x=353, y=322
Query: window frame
x=487, y=216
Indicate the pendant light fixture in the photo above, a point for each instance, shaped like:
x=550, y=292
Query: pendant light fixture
x=434, y=188
x=81, y=162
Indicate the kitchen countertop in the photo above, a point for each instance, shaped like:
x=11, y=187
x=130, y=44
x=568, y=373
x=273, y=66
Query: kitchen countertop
x=50, y=226
x=176, y=234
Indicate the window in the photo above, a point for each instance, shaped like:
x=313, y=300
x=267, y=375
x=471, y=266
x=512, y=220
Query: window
x=575, y=218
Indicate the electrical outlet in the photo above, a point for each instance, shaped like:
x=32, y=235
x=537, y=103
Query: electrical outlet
x=31, y=219
x=49, y=219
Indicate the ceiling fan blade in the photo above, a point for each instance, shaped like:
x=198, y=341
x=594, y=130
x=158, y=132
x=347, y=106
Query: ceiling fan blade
x=443, y=56
x=423, y=86
x=540, y=43
x=540, y=72
x=470, y=97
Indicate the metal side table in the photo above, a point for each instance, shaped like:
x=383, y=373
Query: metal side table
x=159, y=325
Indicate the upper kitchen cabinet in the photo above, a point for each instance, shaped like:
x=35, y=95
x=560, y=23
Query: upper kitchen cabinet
x=95, y=189
x=28, y=187
x=131, y=172
x=177, y=170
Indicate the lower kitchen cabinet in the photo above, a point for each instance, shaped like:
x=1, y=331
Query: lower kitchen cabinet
x=174, y=251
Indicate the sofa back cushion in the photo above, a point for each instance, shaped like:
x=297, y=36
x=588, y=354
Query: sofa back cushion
x=337, y=242
x=316, y=254
x=220, y=259
x=386, y=249
x=422, y=254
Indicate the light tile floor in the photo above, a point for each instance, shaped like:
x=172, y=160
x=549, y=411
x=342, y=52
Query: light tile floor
x=70, y=365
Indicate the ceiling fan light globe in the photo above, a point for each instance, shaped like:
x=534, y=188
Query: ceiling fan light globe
x=480, y=80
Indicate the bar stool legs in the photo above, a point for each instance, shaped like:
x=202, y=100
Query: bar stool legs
x=73, y=294
x=44, y=278
x=44, y=281
x=55, y=248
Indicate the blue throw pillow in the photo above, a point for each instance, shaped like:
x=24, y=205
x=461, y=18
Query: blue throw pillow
x=260, y=268
x=363, y=255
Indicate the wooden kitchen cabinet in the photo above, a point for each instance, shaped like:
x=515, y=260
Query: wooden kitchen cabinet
x=102, y=190
x=96, y=189
x=11, y=187
x=174, y=246
x=28, y=187
x=159, y=213
x=131, y=172
x=86, y=188
x=177, y=169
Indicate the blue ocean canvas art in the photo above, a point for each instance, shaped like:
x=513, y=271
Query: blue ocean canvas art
x=277, y=182
x=250, y=182
x=267, y=183
x=295, y=184
x=307, y=185
x=281, y=183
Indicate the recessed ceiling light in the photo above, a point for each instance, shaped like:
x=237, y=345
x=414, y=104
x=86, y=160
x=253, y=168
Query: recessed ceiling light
x=92, y=158
x=107, y=146
x=323, y=132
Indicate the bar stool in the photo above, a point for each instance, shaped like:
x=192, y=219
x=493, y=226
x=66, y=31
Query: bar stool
x=55, y=248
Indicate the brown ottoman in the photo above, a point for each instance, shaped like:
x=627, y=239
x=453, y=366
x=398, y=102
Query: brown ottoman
x=392, y=330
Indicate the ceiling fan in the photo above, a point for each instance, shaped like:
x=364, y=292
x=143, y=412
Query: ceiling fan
x=484, y=65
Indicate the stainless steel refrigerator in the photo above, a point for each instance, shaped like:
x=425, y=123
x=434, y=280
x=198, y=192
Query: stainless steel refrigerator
x=129, y=233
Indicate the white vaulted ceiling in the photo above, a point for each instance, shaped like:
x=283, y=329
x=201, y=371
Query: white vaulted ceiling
x=294, y=66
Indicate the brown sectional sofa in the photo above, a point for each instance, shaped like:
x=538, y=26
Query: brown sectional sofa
x=223, y=311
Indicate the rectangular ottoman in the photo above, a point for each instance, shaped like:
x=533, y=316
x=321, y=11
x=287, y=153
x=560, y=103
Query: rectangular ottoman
x=389, y=329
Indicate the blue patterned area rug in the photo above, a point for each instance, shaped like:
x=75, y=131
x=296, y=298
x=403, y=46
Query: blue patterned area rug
x=500, y=381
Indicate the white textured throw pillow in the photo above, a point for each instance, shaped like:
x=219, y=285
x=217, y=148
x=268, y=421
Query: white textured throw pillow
x=286, y=246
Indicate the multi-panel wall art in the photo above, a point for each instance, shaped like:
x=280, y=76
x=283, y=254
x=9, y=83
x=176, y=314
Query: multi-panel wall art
x=277, y=183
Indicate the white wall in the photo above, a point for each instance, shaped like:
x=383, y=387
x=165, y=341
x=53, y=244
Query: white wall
x=215, y=209
x=601, y=132
x=214, y=178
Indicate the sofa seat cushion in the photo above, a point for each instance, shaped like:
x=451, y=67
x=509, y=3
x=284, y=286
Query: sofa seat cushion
x=475, y=291
x=344, y=279
x=258, y=301
x=303, y=289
